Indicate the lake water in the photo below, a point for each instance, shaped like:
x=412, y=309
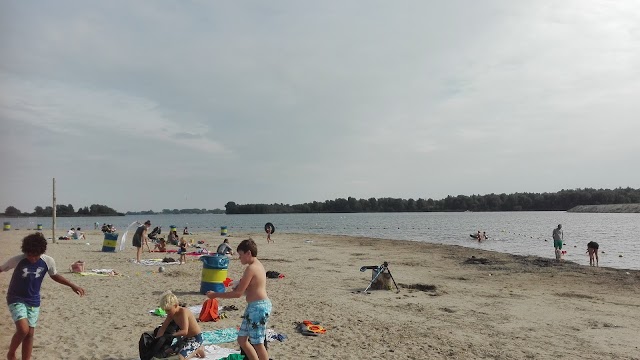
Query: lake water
x=522, y=233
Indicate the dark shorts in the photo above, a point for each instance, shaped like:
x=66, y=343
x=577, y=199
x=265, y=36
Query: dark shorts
x=557, y=244
x=593, y=245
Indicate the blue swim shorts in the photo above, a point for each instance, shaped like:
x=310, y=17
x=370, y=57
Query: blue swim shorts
x=21, y=311
x=254, y=323
x=191, y=345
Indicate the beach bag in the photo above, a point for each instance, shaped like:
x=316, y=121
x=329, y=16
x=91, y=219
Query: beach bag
x=209, y=310
x=77, y=266
x=150, y=347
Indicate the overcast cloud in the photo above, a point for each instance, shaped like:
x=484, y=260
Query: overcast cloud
x=150, y=105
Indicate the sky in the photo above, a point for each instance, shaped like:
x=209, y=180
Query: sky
x=151, y=105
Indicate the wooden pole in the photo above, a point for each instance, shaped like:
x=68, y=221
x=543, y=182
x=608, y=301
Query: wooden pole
x=53, y=225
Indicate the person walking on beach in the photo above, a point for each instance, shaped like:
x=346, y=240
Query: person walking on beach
x=23, y=295
x=592, y=249
x=253, y=284
x=557, y=241
x=269, y=230
x=140, y=237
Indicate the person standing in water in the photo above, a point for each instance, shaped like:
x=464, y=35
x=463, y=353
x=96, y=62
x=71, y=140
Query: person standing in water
x=592, y=249
x=558, y=239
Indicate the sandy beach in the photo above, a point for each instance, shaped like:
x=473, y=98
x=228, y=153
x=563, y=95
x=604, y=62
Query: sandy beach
x=454, y=302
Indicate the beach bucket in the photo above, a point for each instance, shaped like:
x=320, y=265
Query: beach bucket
x=223, y=230
x=172, y=227
x=214, y=273
x=39, y=227
x=7, y=226
x=110, y=242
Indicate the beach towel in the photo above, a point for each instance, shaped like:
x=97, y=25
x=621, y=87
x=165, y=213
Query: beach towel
x=196, y=309
x=98, y=272
x=220, y=336
x=89, y=273
x=215, y=352
x=154, y=262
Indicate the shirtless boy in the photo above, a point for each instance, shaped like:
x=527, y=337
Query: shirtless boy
x=187, y=323
x=254, y=285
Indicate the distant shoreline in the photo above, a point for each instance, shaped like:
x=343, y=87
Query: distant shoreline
x=609, y=208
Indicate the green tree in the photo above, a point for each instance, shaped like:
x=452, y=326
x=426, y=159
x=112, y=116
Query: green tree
x=12, y=211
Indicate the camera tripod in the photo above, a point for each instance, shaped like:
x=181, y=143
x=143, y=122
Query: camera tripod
x=379, y=269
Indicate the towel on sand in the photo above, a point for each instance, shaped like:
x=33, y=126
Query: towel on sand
x=214, y=352
x=155, y=262
x=99, y=272
x=218, y=336
x=194, y=309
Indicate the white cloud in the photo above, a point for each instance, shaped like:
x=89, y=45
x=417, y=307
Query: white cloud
x=297, y=101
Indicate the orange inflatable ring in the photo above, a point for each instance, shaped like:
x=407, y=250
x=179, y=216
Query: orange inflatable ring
x=316, y=329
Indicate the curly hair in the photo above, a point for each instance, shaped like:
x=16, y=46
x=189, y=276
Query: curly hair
x=34, y=244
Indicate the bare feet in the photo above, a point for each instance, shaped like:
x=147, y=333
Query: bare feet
x=11, y=356
x=200, y=352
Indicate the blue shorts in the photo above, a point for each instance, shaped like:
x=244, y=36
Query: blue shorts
x=191, y=345
x=254, y=323
x=21, y=311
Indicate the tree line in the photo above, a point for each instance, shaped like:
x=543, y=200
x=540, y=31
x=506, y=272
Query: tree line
x=559, y=201
x=176, y=211
x=64, y=211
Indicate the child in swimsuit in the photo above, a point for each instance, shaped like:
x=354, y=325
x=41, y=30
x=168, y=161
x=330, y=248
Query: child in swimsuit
x=183, y=251
x=254, y=285
x=186, y=321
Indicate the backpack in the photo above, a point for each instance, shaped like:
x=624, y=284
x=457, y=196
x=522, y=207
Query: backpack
x=149, y=346
x=209, y=311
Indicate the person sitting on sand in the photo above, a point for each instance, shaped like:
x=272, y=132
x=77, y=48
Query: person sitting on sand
x=173, y=237
x=592, y=249
x=185, y=231
x=186, y=321
x=161, y=245
x=224, y=248
x=80, y=235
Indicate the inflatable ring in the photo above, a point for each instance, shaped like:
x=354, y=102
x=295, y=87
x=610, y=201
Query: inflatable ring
x=316, y=329
x=269, y=225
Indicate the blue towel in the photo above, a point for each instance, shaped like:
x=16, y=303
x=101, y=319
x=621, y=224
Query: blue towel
x=220, y=336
